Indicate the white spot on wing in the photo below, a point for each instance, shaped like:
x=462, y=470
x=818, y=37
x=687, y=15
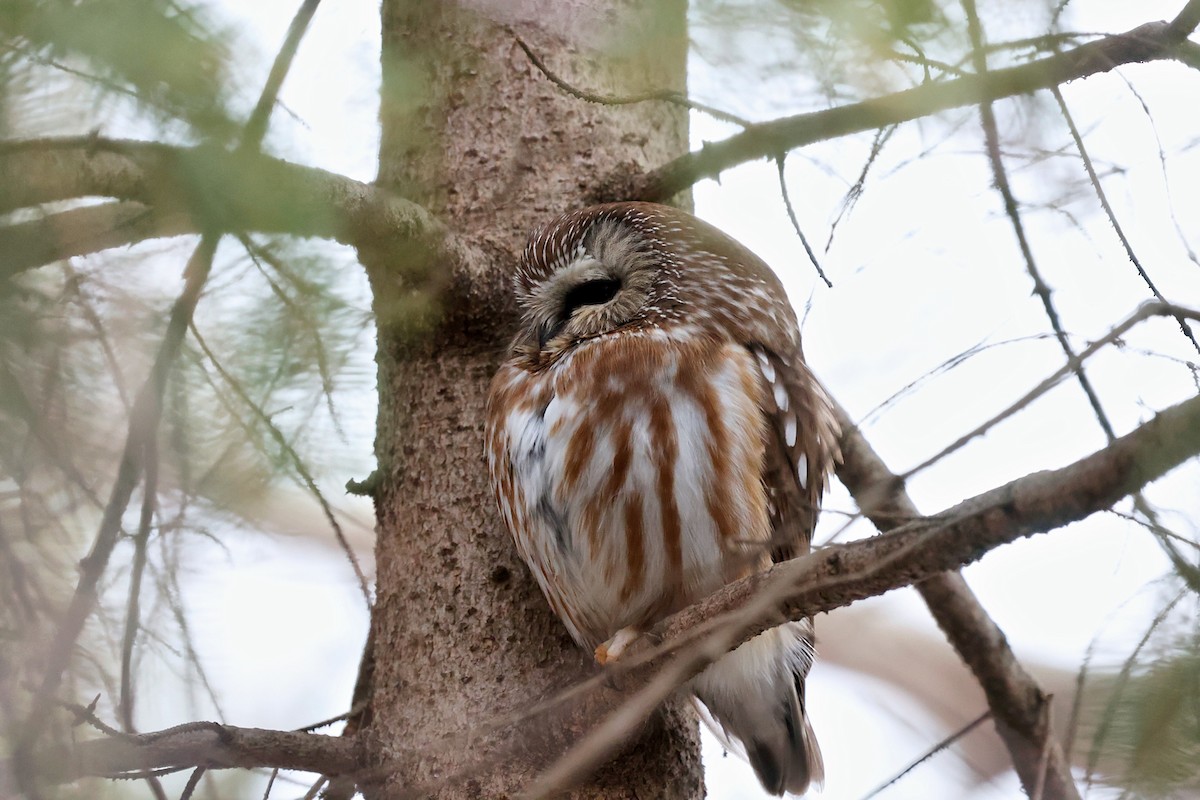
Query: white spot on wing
x=802, y=470
x=789, y=430
x=764, y=364
x=781, y=398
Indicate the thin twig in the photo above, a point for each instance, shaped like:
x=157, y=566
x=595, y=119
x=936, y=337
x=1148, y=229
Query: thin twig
x=930, y=753
x=1157, y=528
x=1144, y=312
x=1108, y=211
x=791, y=212
x=270, y=783
x=854, y=193
x=665, y=95
x=192, y=782
x=298, y=464
x=949, y=364
x=132, y=614
x=1000, y=176
x=1148, y=42
x=357, y=709
x=1162, y=165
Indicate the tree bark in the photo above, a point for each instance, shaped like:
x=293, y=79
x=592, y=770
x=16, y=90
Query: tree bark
x=470, y=129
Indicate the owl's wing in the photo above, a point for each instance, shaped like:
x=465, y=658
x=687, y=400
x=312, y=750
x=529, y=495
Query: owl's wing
x=801, y=448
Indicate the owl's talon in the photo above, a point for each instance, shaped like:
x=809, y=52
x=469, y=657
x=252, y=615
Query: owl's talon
x=614, y=647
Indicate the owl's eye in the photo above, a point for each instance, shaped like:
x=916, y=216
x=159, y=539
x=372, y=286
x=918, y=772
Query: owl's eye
x=590, y=293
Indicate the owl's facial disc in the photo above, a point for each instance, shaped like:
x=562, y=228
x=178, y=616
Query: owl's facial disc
x=606, y=286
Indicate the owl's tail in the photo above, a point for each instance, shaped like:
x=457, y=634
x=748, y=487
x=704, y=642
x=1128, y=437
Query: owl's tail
x=755, y=695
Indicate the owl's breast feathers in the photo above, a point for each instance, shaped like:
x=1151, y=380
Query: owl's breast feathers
x=631, y=474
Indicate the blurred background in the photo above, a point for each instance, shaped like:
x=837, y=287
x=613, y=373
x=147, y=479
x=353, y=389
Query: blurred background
x=249, y=612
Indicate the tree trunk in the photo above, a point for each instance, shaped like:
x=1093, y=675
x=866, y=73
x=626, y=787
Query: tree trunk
x=470, y=128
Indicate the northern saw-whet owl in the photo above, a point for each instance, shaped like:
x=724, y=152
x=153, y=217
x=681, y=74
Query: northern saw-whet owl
x=656, y=434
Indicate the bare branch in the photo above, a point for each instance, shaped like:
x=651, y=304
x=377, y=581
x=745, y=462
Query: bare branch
x=665, y=95
x=81, y=231
x=1011, y=209
x=1150, y=42
x=791, y=212
x=1016, y=702
x=201, y=744
x=141, y=439
x=192, y=187
x=842, y=574
x=1108, y=211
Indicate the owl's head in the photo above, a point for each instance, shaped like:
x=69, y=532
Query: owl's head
x=626, y=266
x=599, y=285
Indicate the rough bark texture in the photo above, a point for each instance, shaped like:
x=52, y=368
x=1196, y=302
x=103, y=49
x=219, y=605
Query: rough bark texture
x=471, y=130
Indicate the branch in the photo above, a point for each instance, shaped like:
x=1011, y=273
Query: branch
x=628, y=694
x=1098, y=188
x=1042, y=501
x=1150, y=42
x=665, y=95
x=206, y=744
x=82, y=231
x=842, y=574
x=205, y=187
x=1017, y=702
x=141, y=439
x=1185, y=21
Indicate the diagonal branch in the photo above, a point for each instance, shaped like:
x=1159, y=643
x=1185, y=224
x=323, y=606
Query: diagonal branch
x=1017, y=703
x=143, y=429
x=142, y=437
x=628, y=693
x=1098, y=188
x=842, y=574
x=1011, y=209
x=1150, y=42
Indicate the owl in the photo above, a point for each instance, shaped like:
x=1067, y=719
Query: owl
x=655, y=434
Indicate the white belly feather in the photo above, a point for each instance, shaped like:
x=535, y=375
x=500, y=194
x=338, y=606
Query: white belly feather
x=619, y=482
